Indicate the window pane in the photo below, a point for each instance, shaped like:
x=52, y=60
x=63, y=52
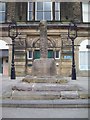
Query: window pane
x=39, y=6
x=43, y=10
x=67, y=57
x=36, y=54
x=39, y=15
x=85, y=17
x=2, y=6
x=47, y=15
x=86, y=12
x=57, y=54
x=2, y=12
x=50, y=54
x=2, y=17
x=30, y=54
x=57, y=16
x=47, y=6
x=30, y=16
x=57, y=6
x=84, y=63
x=30, y=6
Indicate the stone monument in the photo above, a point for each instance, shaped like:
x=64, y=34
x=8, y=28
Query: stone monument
x=43, y=66
x=44, y=83
x=43, y=69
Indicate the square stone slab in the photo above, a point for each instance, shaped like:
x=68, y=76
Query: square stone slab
x=69, y=94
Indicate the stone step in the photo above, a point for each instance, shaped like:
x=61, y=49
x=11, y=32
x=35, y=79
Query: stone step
x=34, y=95
x=45, y=91
x=30, y=95
x=46, y=95
x=44, y=79
x=60, y=103
x=46, y=87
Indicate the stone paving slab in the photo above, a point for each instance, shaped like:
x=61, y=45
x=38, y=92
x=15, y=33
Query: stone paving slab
x=57, y=87
x=84, y=94
x=33, y=95
x=45, y=79
x=46, y=87
x=69, y=94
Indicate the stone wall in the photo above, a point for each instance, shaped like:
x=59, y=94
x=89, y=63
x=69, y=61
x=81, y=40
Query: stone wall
x=16, y=11
x=10, y=11
x=70, y=11
x=20, y=55
x=24, y=42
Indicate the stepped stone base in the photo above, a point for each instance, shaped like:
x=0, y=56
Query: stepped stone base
x=44, y=79
x=45, y=91
x=50, y=95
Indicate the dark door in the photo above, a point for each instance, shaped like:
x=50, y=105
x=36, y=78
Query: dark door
x=36, y=54
x=1, y=65
x=50, y=54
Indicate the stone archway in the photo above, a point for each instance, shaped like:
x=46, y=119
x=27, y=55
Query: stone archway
x=3, y=57
x=36, y=43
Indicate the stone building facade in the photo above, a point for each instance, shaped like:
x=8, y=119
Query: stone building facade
x=27, y=46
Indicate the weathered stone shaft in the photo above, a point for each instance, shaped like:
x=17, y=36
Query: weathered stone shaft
x=44, y=66
x=43, y=39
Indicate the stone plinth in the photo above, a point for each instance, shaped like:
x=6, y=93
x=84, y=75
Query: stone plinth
x=44, y=67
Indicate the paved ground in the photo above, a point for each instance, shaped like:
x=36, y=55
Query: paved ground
x=5, y=82
x=44, y=113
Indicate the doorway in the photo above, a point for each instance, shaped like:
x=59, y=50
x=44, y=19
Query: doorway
x=3, y=58
x=1, y=66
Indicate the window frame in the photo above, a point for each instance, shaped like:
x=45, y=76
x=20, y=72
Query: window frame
x=34, y=11
x=84, y=65
x=43, y=11
x=58, y=54
x=86, y=11
x=57, y=10
x=28, y=55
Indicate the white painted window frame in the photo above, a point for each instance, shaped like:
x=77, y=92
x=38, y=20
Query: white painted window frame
x=28, y=12
x=58, y=11
x=86, y=11
x=28, y=55
x=42, y=10
x=55, y=55
x=85, y=56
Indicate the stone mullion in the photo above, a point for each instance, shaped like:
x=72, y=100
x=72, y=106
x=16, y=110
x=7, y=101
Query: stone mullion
x=53, y=10
x=77, y=12
x=33, y=10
